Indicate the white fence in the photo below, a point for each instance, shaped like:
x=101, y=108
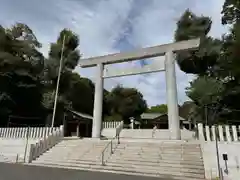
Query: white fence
x=45, y=143
x=22, y=132
x=224, y=133
x=110, y=124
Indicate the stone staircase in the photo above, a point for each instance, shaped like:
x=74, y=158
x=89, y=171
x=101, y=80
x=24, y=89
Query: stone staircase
x=173, y=160
x=166, y=159
x=73, y=153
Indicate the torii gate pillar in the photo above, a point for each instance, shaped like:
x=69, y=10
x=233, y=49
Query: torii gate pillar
x=172, y=100
x=98, y=103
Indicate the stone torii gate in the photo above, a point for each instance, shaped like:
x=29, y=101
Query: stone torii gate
x=168, y=65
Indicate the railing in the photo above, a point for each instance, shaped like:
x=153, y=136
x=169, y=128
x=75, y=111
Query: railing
x=21, y=132
x=112, y=145
x=46, y=143
x=153, y=132
x=229, y=133
x=118, y=131
x=110, y=124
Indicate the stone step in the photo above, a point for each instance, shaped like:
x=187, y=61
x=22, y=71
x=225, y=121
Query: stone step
x=81, y=151
x=158, y=167
x=70, y=156
x=145, y=144
x=157, y=160
x=157, y=152
x=73, y=161
x=198, y=165
x=160, y=144
x=163, y=148
x=123, y=170
x=159, y=149
x=173, y=167
x=156, y=157
x=79, y=146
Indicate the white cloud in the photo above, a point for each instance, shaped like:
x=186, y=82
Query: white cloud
x=103, y=24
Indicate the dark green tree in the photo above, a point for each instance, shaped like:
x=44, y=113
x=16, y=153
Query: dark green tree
x=71, y=55
x=202, y=61
x=126, y=102
x=21, y=65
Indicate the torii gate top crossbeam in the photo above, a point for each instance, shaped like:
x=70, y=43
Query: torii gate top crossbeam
x=143, y=53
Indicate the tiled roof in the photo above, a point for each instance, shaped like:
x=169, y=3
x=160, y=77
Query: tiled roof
x=151, y=116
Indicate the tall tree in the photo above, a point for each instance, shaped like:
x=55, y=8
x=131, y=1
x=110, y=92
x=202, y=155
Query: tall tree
x=206, y=93
x=231, y=12
x=230, y=63
x=126, y=102
x=70, y=57
x=21, y=65
x=203, y=60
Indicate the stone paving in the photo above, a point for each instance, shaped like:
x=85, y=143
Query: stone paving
x=25, y=172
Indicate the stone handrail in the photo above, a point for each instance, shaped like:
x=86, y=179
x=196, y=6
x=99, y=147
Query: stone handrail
x=119, y=129
x=45, y=144
x=112, y=144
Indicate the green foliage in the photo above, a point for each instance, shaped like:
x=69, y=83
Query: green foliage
x=205, y=91
x=20, y=67
x=158, y=109
x=28, y=80
x=216, y=64
x=127, y=102
x=187, y=110
x=81, y=94
x=230, y=12
x=201, y=61
x=114, y=117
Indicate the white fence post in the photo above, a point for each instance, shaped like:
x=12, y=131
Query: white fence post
x=213, y=133
x=229, y=138
x=235, y=135
x=208, y=133
x=200, y=132
x=220, y=131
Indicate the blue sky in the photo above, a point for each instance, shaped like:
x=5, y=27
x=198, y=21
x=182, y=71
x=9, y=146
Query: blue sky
x=110, y=26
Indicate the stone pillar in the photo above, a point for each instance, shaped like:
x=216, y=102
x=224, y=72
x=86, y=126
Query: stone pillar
x=77, y=130
x=172, y=102
x=98, y=103
x=208, y=136
x=220, y=131
x=201, y=132
x=235, y=135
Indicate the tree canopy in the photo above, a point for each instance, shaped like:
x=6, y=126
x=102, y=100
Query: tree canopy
x=215, y=64
x=158, y=109
x=28, y=80
x=126, y=102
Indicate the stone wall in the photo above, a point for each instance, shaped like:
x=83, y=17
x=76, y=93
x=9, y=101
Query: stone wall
x=210, y=159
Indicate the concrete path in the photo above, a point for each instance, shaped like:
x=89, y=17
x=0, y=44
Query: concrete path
x=24, y=172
